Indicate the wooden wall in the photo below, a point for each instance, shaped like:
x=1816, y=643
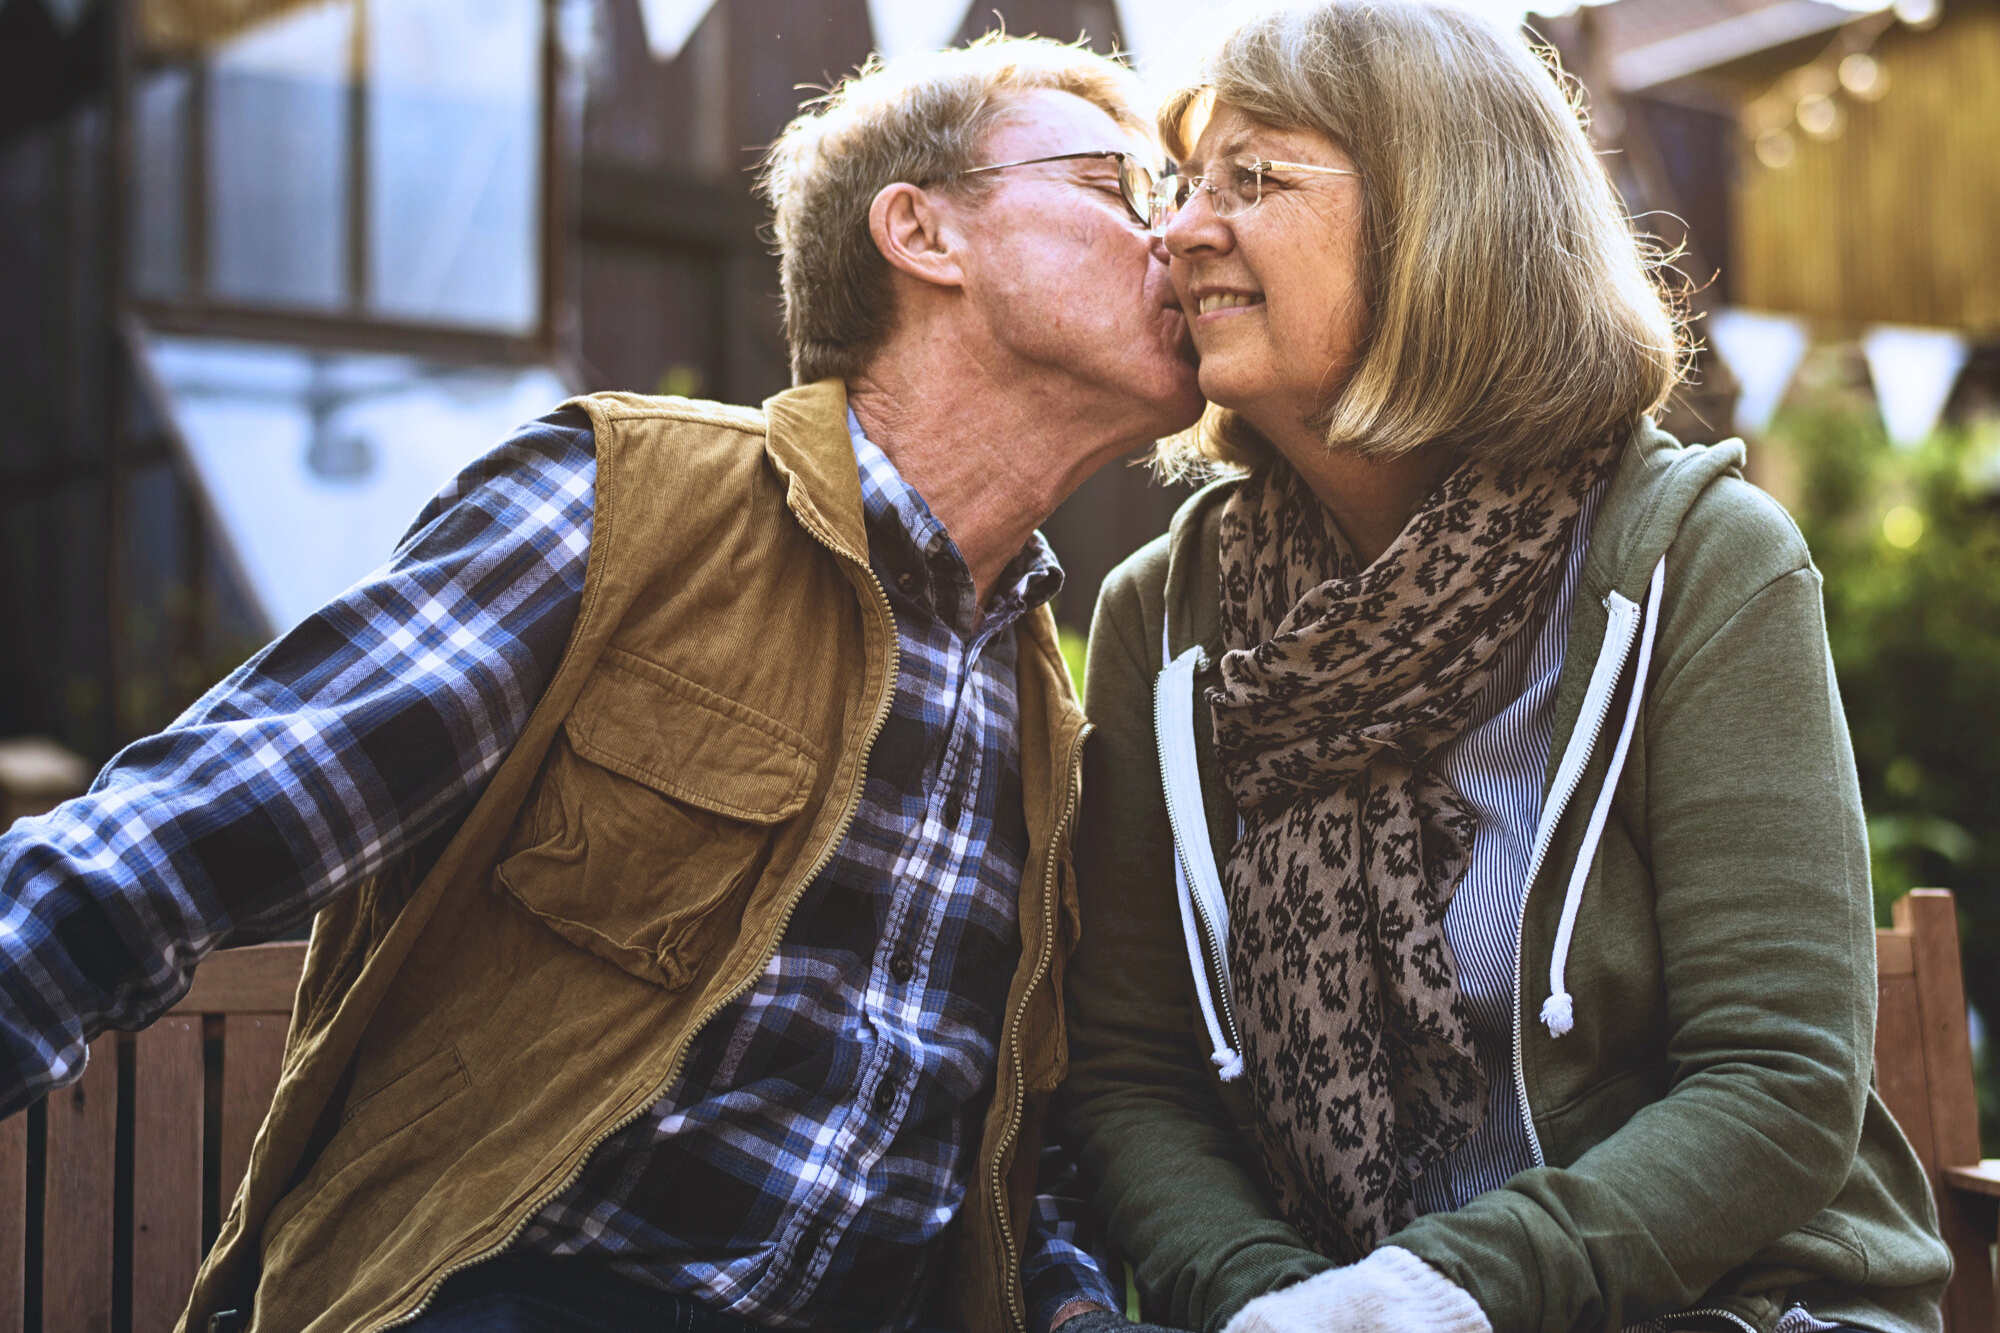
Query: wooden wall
x=1897, y=220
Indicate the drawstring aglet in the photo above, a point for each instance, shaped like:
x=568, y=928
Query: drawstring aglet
x=1559, y=1014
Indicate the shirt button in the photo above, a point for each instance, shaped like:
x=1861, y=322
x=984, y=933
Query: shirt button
x=954, y=806
x=885, y=1096
x=906, y=581
x=901, y=968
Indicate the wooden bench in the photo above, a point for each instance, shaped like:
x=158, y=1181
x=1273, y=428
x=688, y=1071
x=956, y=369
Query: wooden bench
x=112, y=1188
x=110, y=1191
x=1923, y=1069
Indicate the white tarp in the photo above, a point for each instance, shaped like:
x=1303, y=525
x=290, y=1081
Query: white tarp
x=1763, y=351
x=1914, y=371
x=314, y=463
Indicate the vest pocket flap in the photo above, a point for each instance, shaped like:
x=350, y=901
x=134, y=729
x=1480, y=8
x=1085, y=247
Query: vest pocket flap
x=647, y=723
x=410, y=1095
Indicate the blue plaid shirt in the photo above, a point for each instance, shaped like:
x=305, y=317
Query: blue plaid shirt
x=825, y=1122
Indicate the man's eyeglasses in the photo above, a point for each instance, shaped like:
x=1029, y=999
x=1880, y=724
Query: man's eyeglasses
x=1234, y=187
x=1136, y=181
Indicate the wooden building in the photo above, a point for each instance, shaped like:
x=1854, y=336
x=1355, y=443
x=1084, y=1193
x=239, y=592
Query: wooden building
x=307, y=208
x=1839, y=165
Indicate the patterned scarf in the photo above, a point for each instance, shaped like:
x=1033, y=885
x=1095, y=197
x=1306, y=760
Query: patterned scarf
x=1340, y=688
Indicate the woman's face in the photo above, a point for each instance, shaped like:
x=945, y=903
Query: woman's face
x=1273, y=295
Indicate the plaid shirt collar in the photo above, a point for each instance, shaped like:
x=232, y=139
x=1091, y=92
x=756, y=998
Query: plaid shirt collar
x=912, y=547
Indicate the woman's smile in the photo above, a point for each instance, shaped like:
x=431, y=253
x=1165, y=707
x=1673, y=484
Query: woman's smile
x=1221, y=303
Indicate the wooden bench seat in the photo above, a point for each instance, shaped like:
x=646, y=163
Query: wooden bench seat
x=133, y=1164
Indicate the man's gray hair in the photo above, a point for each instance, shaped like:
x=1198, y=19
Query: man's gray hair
x=918, y=118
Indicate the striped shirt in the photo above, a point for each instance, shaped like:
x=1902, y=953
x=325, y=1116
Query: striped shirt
x=1499, y=766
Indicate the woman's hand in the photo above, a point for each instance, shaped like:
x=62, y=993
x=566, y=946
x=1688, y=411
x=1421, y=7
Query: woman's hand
x=1391, y=1291
x=1094, y=1318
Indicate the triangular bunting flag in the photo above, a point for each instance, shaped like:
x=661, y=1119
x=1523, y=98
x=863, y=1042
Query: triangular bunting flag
x=1165, y=35
x=903, y=26
x=1914, y=371
x=1762, y=351
x=66, y=13
x=669, y=24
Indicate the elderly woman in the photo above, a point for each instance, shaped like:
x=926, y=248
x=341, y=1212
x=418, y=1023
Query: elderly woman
x=1496, y=953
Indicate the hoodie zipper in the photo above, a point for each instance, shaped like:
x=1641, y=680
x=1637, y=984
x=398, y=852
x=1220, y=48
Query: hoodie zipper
x=1666, y=1322
x=673, y=1072
x=1542, y=845
x=1013, y=1029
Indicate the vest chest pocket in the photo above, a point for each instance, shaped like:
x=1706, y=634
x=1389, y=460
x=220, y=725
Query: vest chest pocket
x=658, y=802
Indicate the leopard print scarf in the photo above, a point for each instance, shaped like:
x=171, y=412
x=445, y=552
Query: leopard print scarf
x=1339, y=688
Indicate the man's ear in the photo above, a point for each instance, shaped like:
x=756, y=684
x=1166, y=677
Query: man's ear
x=909, y=230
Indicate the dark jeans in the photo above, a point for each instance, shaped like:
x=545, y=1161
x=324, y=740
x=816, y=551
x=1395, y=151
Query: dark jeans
x=530, y=1294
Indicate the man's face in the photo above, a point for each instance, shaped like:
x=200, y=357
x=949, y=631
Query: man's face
x=1065, y=277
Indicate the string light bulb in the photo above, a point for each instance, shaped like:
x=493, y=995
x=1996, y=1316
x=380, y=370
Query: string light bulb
x=1919, y=14
x=1862, y=75
x=1776, y=149
x=1821, y=116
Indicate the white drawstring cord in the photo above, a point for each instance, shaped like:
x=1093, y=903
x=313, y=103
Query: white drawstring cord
x=1173, y=722
x=1559, y=1010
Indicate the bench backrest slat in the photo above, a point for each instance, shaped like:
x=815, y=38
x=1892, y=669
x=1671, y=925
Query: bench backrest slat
x=77, y=1213
x=166, y=1170
x=13, y=1221
x=253, y=1047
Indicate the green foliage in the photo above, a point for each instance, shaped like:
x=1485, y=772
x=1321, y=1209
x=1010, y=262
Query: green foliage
x=1073, y=648
x=1909, y=543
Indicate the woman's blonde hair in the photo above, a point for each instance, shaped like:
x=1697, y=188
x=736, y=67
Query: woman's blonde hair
x=1512, y=311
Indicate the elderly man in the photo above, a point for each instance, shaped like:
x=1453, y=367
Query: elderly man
x=686, y=805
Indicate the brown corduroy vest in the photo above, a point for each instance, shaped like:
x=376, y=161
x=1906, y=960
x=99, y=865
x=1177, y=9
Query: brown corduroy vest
x=460, y=1045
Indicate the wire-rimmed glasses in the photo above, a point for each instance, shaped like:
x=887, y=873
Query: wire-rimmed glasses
x=1234, y=186
x=1137, y=183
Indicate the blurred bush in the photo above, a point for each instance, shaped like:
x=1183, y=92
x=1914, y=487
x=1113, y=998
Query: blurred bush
x=1909, y=543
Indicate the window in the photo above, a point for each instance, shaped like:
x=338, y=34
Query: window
x=377, y=160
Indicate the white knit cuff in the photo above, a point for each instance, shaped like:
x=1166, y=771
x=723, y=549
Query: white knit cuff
x=1391, y=1291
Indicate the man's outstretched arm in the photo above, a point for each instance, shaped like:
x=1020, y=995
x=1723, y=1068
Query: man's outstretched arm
x=357, y=734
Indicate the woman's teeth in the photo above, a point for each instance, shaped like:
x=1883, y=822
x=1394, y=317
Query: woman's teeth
x=1227, y=300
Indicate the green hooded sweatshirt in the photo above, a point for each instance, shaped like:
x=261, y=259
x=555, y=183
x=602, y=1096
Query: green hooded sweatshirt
x=1707, y=1139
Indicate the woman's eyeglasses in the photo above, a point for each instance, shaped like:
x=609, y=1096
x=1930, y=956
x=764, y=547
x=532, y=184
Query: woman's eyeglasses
x=1234, y=186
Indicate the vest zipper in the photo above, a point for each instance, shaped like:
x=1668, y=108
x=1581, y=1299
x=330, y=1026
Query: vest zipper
x=673, y=1072
x=1015, y=1306
x=1593, y=714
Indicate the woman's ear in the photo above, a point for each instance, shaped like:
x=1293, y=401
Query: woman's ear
x=909, y=230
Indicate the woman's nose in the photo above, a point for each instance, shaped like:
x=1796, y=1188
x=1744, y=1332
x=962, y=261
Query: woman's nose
x=1193, y=229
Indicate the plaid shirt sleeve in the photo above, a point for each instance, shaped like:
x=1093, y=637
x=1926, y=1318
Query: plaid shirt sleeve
x=1056, y=1263
x=357, y=734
